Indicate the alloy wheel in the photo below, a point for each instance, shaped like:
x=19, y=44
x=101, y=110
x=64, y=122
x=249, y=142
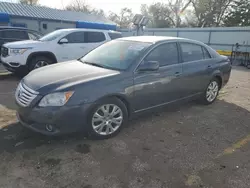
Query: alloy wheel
x=107, y=119
x=212, y=91
x=40, y=64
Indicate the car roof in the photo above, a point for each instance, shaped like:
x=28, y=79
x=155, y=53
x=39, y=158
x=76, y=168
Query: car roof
x=86, y=29
x=155, y=39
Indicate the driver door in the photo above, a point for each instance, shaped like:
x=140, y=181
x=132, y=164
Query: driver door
x=156, y=88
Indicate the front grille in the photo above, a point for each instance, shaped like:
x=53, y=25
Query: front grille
x=4, y=52
x=25, y=95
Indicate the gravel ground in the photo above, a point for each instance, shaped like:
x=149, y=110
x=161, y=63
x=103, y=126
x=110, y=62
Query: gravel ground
x=183, y=146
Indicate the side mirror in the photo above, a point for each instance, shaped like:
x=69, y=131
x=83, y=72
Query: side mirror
x=149, y=66
x=63, y=41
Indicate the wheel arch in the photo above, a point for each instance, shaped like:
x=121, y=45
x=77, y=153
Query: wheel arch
x=122, y=98
x=43, y=53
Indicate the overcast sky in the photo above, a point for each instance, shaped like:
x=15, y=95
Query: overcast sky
x=106, y=5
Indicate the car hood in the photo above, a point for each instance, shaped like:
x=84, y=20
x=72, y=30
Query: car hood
x=23, y=44
x=63, y=75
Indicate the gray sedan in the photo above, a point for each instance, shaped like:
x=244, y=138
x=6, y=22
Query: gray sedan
x=99, y=92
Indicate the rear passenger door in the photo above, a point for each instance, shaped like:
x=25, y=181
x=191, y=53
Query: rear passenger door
x=93, y=39
x=196, y=63
x=74, y=49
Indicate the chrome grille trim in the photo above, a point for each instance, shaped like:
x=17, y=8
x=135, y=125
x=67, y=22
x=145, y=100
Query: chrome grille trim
x=24, y=95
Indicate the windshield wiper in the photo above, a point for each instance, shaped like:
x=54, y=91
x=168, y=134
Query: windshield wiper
x=94, y=64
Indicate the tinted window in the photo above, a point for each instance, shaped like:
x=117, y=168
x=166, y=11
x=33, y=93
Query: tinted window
x=191, y=52
x=53, y=35
x=76, y=37
x=165, y=54
x=45, y=26
x=115, y=35
x=32, y=36
x=15, y=34
x=206, y=53
x=92, y=37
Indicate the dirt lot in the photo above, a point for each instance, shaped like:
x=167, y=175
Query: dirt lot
x=184, y=146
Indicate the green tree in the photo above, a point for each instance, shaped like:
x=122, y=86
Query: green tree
x=165, y=14
x=29, y=2
x=239, y=14
x=210, y=13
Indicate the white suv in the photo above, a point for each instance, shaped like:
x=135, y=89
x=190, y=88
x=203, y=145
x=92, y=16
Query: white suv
x=58, y=46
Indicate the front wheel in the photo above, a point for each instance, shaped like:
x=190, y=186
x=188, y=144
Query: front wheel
x=107, y=118
x=38, y=62
x=211, y=91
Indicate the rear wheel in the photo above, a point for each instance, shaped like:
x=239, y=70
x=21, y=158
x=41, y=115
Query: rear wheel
x=107, y=118
x=211, y=92
x=38, y=62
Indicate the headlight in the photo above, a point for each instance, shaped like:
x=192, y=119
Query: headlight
x=16, y=51
x=56, y=99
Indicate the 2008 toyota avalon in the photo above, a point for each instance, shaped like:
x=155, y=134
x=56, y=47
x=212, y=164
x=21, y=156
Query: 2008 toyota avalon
x=101, y=91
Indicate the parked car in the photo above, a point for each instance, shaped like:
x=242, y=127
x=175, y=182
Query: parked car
x=58, y=46
x=12, y=34
x=101, y=91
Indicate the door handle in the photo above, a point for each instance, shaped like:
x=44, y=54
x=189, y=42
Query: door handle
x=177, y=74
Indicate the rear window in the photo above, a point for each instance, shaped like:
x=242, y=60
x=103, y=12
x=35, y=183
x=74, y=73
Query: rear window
x=115, y=35
x=15, y=34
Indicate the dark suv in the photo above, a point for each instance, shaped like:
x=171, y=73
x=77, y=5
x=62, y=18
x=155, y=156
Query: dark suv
x=12, y=34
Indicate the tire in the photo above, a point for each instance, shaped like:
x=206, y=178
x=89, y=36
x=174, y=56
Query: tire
x=33, y=64
x=99, y=124
x=210, y=98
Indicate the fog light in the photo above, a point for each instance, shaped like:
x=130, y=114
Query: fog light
x=49, y=128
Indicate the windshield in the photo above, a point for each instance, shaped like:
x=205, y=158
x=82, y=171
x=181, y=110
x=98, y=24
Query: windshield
x=116, y=54
x=54, y=35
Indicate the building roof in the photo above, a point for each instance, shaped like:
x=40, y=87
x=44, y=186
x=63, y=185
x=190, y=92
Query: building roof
x=17, y=9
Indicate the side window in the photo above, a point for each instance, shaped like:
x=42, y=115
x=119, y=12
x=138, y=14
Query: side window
x=1, y=34
x=19, y=25
x=45, y=26
x=93, y=37
x=206, y=53
x=115, y=35
x=32, y=36
x=191, y=52
x=15, y=34
x=165, y=54
x=76, y=37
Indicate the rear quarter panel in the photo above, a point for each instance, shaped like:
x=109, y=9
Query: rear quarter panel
x=222, y=68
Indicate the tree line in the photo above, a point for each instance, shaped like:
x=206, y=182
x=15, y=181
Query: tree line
x=175, y=13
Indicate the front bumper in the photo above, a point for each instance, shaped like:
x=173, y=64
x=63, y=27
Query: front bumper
x=18, y=61
x=64, y=120
x=21, y=68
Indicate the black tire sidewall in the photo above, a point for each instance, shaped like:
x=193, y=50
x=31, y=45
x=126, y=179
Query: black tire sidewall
x=205, y=101
x=34, y=60
x=99, y=103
